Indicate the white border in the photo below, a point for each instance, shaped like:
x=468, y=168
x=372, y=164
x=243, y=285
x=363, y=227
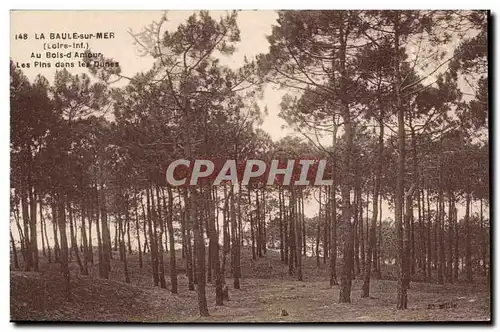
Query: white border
x=190, y=4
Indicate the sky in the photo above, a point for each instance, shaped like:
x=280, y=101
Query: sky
x=254, y=27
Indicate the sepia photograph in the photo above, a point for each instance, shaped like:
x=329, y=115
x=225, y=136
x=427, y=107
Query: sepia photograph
x=250, y=166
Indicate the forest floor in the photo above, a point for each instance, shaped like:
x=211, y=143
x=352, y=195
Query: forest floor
x=266, y=290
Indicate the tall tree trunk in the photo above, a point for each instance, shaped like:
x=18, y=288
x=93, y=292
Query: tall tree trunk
x=326, y=240
x=74, y=245
x=449, y=263
x=171, y=240
x=100, y=247
x=186, y=230
x=286, y=244
x=40, y=211
x=138, y=231
x=21, y=234
x=347, y=231
x=14, y=251
x=61, y=218
x=318, y=231
x=361, y=234
x=144, y=224
x=123, y=251
x=332, y=207
x=115, y=247
x=26, y=223
x=264, y=234
x=105, y=234
x=298, y=239
x=158, y=220
x=259, y=222
x=429, y=237
x=280, y=206
x=440, y=227
x=152, y=240
x=199, y=253
x=356, y=221
x=84, y=239
x=252, y=226
x=226, y=240
x=33, y=230
x=129, y=242
x=423, y=244
x=468, y=260
x=372, y=237
x=214, y=247
x=483, y=238
x=303, y=226
x=403, y=268
x=380, y=260
x=292, y=237
x=235, y=246
x=44, y=231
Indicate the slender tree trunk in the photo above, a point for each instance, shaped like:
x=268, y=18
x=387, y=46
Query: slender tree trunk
x=347, y=231
x=199, y=253
x=298, y=239
x=423, y=244
x=286, y=244
x=372, y=237
x=318, y=231
x=361, y=234
x=332, y=214
x=380, y=260
x=226, y=240
x=236, y=241
x=44, y=231
x=100, y=250
x=440, y=225
x=61, y=218
x=173, y=266
x=483, y=238
x=138, y=232
x=421, y=236
x=259, y=225
x=144, y=224
x=282, y=252
x=41, y=226
x=115, y=247
x=326, y=241
x=214, y=247
x=468, y=260
x=187, y=241
x=157, y=218
x=429, y=237
x=74, y=245
x=14, y=251
x=84, y=239
x=33, y=229
x=123, y=251
x=21, y=234
x=356, y=221
x=27, y=223
x=449, y=264
x=303, y=225
x=264, y=234
x=252, y=226
x=291, y=238
x=129, y=242
x=152, y=240
x=403, y=268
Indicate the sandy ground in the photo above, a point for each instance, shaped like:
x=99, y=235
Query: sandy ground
x=262, y=298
